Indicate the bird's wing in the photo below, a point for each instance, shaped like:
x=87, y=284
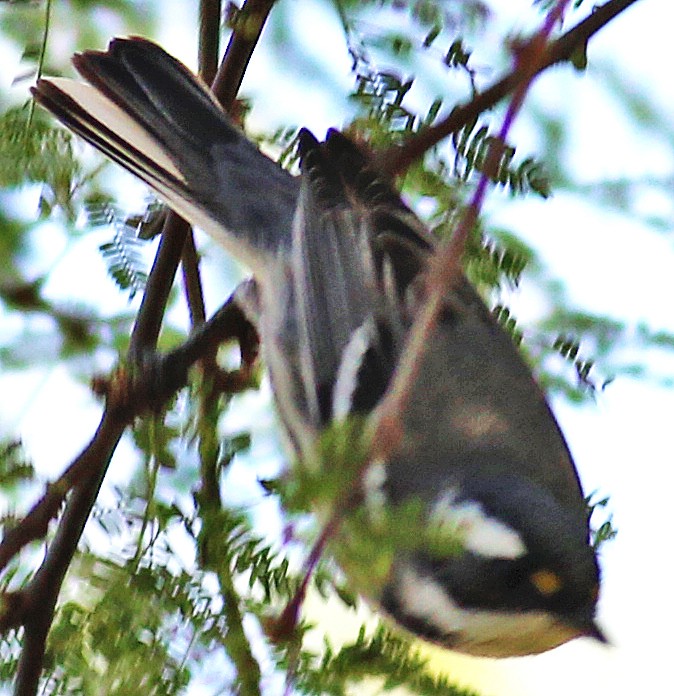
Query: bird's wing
x=360, y=284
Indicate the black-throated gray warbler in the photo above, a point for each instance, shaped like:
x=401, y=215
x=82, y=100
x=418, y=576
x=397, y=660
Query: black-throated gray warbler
x=338, y=261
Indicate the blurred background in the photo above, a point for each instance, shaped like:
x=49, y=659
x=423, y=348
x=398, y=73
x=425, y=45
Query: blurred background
x=600, y=259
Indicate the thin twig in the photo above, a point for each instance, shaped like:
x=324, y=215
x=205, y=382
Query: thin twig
x=251, y=19
x=210, y=14
x=398, y=158
x=160, y=281
x=209, y=48
x=192, y=281
x=41, y=59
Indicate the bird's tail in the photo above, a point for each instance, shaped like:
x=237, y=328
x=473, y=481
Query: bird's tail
x=149, y=113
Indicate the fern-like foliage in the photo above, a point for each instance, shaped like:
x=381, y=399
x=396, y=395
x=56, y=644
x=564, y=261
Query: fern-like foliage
x=569, y=348
x=432, y=20
x=123, y=254
x=508, y=322
x=140, y=623
x=380, y=656
x=472, y=145
x=497, y=259
x=286, y=139
x=245, y=552
x=606, y=530
x=380, y=95
x=10, y=647
x=32, y=150
x=545, y=5
x=16, y=474
x=15, y=468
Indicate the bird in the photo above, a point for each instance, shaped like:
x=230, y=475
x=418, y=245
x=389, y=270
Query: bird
x=338, y=263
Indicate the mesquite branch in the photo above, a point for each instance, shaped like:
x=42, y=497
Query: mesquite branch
x=33, y=607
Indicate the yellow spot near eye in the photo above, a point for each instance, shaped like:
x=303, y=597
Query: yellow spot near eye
x=546, y=582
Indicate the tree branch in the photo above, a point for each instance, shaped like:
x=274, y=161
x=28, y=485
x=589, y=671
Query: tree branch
x=210, y=13
x=192, y=281
x=39, y=598
x=248, y=24
x=209, y=47
x=129, y=395
x=42, y=591
x=160, y=280
x=398, y=158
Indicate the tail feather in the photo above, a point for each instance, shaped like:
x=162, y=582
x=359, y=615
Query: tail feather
x=148, y=83
x=149, y=114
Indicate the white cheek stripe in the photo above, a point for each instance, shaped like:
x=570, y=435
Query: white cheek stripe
x=478, y=632
x=477, y=531
x=424, y=599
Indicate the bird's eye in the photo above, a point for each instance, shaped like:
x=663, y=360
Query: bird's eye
x=546, y=582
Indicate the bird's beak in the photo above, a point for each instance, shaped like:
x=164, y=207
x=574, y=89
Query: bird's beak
x=593, y=631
